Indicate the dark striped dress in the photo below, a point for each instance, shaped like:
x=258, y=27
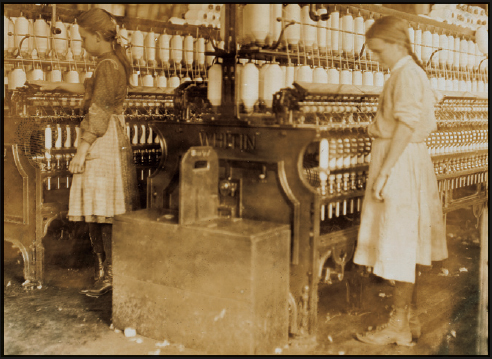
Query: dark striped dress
x=108, y=185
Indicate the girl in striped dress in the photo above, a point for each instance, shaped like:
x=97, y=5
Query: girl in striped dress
x=402, y=221
x=104, y=176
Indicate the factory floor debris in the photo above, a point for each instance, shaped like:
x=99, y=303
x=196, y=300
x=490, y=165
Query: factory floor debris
x=57, y=320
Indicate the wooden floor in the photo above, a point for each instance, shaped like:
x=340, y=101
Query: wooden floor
x=448, y=305
x=58, y=320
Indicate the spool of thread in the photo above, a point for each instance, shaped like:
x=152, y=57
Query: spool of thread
x=60, y=41
x=367, y=24
x=173, y=82
x=457, y=50
x=321, y=32
x=320, y=76
x=335, y=25
x=75, y=41
x=323, y=154
x=449, y=61
x=411, y=35
x=135, y=135
x=435, y=46
x=304, y=73
x=346, y=77
x=468, y=85
x=11, y=38
x=188, y=50
x=426, y=45
x=261, y=83
x=273, y=82
x=177, y=49
x=293, y=32
x=259, y=22
x=134, y=79
x=284, y=72
x=328, y=35
x=239, y=69
x=72, y=77
x=137, y=42
x=379, y=78
x=245, y=34
x=150, y=139
x=55, y=75
x=31, y=39
x=200, y=51
x=163, y=48
x=418, y=43
x=48, y=139
x=357, y=78
x=289, y=76
x=308, y=33
x=59, y=136
x=149, y=45
x=478, y=56
x=147, y=80
x=143, y=136
x=443, y=54
x=359, y=37
x=214, y=88
x=125, y=40
x=463, y=53
x=471, y=55
x=249, y=86
x=68, y=139
x=367, y=78
x=21, y=29
x=17, y=78
x=36, y=74
x=161, y=81
x=333, y=76
x=348, y=36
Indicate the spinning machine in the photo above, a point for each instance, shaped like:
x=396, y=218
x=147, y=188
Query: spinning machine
x=292, y=152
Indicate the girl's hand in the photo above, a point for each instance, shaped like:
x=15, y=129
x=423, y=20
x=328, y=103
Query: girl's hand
x=378, y=186
x=44, y=85
x=77, y=163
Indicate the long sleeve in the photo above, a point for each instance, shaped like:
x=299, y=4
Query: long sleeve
x=102, y=104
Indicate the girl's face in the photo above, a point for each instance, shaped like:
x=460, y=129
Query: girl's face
x=385, y=52
x=90, y=41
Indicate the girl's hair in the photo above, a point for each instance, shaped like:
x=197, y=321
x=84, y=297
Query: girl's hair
x=101, y=21
x=393, y=30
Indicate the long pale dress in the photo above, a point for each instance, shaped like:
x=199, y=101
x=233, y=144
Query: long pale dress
x=407, y=228
x=108, y=185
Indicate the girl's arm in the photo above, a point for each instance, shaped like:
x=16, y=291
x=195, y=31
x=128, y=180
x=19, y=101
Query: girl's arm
x=64, y=86
x=399, y=142
x=78, y=161
x=407, y=109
